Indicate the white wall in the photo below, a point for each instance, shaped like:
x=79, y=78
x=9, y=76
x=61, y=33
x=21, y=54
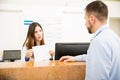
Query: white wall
x=62, y=20
x=115, y=24
x=47, y=13
x=10, y=23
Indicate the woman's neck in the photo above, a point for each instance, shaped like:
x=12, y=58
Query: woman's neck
x=37, y=43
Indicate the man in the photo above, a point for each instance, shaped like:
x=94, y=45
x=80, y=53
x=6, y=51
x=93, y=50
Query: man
x=103, y=57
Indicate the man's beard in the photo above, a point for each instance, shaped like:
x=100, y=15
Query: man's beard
x=90, y=28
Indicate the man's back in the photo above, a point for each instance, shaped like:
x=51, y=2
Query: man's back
x=114, y=40
x=103, y=56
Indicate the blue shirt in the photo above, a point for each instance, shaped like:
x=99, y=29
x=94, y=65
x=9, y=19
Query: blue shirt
x=103, y=56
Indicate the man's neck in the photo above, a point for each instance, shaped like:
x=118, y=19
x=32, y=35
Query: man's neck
x=98, y=25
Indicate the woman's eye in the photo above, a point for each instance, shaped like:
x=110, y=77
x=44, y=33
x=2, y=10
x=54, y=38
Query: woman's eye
x=40, y=30
x=35, y=31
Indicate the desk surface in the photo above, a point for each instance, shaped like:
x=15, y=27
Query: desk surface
x=44, y=70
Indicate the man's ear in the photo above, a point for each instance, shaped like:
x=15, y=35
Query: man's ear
x=92, y=19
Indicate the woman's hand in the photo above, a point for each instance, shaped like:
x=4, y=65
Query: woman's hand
x=29, y=53
x=51, y=54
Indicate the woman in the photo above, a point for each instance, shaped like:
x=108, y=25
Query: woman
x=35, y=37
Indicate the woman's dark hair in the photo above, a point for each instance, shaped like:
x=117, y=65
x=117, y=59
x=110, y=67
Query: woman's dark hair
x=30, y=40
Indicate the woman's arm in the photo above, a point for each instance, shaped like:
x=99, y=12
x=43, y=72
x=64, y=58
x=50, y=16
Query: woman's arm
x=26, y=54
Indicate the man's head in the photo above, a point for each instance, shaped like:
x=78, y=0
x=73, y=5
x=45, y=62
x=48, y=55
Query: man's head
x=96, y=14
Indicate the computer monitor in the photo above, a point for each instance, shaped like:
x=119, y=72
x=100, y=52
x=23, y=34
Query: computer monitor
x=72, y=49
x=11, y=55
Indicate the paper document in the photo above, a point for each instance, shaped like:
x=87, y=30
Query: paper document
x=41, y=53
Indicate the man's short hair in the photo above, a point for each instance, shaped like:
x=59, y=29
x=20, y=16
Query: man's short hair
x=98, y=9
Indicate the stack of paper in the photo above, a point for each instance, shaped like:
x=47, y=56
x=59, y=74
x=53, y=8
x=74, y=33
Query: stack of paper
x=41, y=53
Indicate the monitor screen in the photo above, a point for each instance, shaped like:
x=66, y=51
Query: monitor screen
x=72, y=49
x=11, y=55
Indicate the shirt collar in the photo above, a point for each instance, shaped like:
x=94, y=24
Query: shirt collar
x=100, y=30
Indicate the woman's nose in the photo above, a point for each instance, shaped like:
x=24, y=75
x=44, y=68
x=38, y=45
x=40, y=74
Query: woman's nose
x=39, y=33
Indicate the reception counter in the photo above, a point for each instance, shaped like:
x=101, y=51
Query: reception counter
x=43, y=70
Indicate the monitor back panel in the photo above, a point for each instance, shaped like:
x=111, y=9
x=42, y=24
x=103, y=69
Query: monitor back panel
x=11, y=54
x=72, y=49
